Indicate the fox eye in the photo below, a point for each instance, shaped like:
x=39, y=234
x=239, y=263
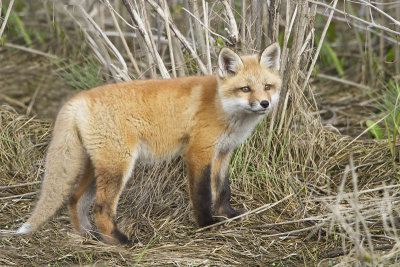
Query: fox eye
x=267, y=86
x=245, y=89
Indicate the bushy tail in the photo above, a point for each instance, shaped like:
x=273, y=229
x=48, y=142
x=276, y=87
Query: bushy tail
x=64, y=162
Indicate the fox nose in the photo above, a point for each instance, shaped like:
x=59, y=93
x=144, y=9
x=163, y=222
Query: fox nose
x=264, y=103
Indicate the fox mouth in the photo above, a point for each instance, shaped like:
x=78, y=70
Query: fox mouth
x=258, y=111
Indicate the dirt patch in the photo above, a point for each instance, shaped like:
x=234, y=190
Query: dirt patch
x=29, y=83
x=345, y=107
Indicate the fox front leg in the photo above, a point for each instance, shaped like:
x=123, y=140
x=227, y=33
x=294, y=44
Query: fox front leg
x=198, y=161
x=221, y=190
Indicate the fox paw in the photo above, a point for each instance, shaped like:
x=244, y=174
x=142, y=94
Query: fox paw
x=231, y=213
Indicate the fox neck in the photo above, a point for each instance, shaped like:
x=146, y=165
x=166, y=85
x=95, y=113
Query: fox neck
x=243, y=123
x=239, y=127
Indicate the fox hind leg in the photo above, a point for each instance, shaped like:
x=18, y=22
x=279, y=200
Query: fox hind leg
x=84, y=205
x=81, y=200
x=110, y=181
x=108, y=189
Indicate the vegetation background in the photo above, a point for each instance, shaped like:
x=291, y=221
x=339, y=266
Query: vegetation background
x=319, y=177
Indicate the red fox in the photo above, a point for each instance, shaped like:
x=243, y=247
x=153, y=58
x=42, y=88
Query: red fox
x=100, y=134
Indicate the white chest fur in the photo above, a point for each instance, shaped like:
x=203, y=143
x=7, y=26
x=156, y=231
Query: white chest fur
x=239, y=130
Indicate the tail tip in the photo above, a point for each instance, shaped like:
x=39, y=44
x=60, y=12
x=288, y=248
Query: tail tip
x=26, y=228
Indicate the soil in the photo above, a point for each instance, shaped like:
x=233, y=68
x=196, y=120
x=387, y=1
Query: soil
x=29, y=83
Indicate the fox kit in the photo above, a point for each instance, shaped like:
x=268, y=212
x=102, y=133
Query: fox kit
x=100, y=134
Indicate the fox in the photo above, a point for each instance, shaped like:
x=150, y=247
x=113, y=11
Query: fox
x=100, y=134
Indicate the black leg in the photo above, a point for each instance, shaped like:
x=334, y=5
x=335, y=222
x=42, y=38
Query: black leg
x=200, y=190
x=222, y=204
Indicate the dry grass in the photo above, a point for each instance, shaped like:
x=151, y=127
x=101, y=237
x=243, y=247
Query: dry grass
x=314, y=197
x=318, y=219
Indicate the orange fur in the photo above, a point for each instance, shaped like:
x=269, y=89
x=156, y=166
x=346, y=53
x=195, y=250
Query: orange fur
x=101, y=133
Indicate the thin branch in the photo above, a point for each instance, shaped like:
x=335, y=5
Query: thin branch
x=127, y=23
x=246, y=214
x=18, y=196
x=344, y=195
x=396, y=22
x=18, y=185
x=170, y=47
x=233, y=31
x=99, y=30
x=181, y=37
x=369, y=24
x=208, y=55
x=33, y=98
x=243, y=26
x=30, y=50
x=197, y=29
x=3, y=25
x=125, y=44
x=123, y=73
x=347, y=82
x=206, y=26
x=362, y=27
x=296, y=231
x=319, y=45
x=146, y=36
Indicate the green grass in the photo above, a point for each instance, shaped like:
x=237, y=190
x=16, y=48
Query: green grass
x=333, y=58
x=328, y=56
x=141, y=254
x=81, y=75
x=20, y=27
x=388, y=103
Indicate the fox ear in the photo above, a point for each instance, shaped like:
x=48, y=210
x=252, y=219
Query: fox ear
x=229, y=63
x=270, y=57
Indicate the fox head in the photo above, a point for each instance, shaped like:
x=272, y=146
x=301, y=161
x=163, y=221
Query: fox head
x=249, y=84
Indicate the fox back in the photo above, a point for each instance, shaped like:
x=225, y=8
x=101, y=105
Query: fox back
x=100, y=134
